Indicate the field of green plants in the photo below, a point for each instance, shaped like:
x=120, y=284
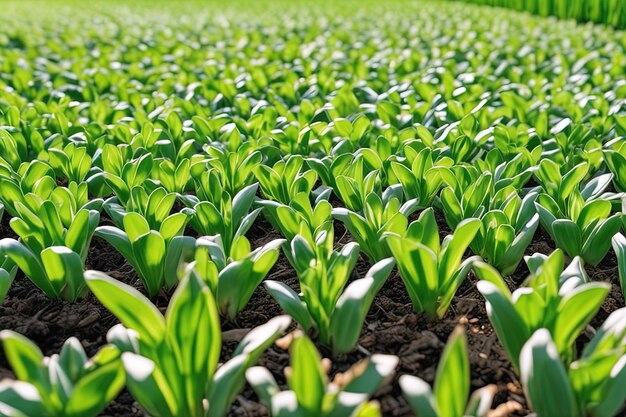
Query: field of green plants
x=312, y=209
x=611, y=12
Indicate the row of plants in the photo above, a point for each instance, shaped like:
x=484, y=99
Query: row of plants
x=490, y=212
x=169, y=136
x=609, y=12
x=171, y=364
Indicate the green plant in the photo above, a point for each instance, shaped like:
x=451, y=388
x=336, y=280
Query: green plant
x=123, y=172
x=311, y=395
x=55, y=235
x=508, y=221
x=155, y=255
x=331, y=167
x=513, y=169
x=154, y=207
x=175, y=178
x=449, y=397
x=591, y=386
x=551, y=298
x=422, y=178
x=64, y=385
x=299, y=217
x=72, y=162
x=579, y=221
x=326, y=306
x=233, y=277
x=30, y=185
x=380, y=215
x=356, y=183
x=173, y=144
x=468, y=193
x=171, y=362
x=19, y=145
x=216, y=213
x=432, y=270
x=235, y=169
x=506, y=233
x=285, y=179
x=14, y=147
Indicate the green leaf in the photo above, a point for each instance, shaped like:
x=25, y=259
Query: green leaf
x=263, y=384
x=387, y=112
x=243, y=201
x=21, y=399
x=575, y=311
x=72, y=358
x=127, y=304
x=27, y=261
x=419, y=396
x=504, y=318
x=572, y=180
x=52, y=222
x=613, y=393
x=593, y=210
x=515, y=252
x=598, y=243
x=6, y=279
x=547, y=213
x=173, y=225
x=64, y=269
x=290, y=302
x=354, y=304
x=452, y=253
x=430, y=230
x=380, y=368
x=418, y=268
x=135, y=226
x=194, y=333
x=349, y=193
x=452, y=382
x=619, y=246
x=149, y=387
x=567, y=236
x=235, y=281
x=541, y=367
x=79, y=234
x=150, y=252
x=307, y=378
x=25, y=359
x=95, y=390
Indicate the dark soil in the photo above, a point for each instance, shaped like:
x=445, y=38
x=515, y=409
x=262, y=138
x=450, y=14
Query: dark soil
x=391, y=326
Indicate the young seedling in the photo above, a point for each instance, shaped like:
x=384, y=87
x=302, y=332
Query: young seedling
x=310, y=393
x=171, y=361
x=449, y=396
x=432, y=270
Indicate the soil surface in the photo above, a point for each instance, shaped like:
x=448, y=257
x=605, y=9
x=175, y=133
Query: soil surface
x=391, y=326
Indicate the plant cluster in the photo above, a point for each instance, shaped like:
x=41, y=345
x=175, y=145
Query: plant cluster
x=310, y=154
